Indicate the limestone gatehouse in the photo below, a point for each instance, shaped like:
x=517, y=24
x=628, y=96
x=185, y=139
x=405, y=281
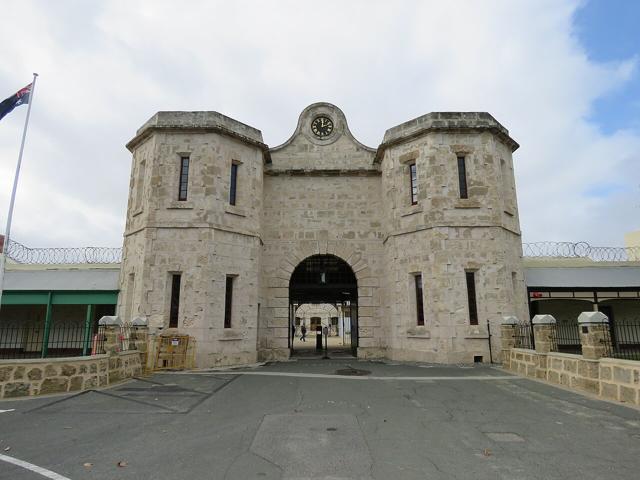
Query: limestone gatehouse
x=415, y=243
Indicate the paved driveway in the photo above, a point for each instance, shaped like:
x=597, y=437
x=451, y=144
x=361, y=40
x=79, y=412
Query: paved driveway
x=301, y=420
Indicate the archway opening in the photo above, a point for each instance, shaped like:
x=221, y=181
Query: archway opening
x=323, y=306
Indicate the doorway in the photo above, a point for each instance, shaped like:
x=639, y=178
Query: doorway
x=323, y=301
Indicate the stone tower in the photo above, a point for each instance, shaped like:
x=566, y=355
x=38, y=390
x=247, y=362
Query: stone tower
x=184, y=238
x=456, y=233
x=418, y=239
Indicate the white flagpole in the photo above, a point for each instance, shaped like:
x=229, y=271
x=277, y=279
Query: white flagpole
x=7, y=235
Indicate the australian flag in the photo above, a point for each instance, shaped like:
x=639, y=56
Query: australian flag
x=18, y=98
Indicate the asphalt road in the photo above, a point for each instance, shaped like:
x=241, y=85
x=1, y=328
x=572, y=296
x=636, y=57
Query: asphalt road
x=300, y=420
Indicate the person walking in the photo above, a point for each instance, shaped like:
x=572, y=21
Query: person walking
x=303, y=330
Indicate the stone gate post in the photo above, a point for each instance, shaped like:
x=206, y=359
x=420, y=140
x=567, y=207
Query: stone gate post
x=594, y=334
x=507, y=338
x=543, y=332
x=112, y=331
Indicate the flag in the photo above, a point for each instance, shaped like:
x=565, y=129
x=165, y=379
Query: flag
x=18, y=98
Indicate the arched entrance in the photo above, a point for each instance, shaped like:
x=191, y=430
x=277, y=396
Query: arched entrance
x=325, y=280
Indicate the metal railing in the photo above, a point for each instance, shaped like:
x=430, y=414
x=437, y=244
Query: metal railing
x=66, y=339
x=566, y=338
x=624, y=340
x=54, y=255
x=524, y=336
x=580, y=250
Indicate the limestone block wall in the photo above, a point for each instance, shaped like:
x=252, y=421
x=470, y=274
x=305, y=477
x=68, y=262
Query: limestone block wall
x=609, y=378
x=442, y=236
x=203, y=238
x=312, y=215
x=20, y=378
x=316, y=195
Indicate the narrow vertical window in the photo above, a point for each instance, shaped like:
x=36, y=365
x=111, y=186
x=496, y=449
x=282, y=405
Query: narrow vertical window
x=234, y=184
x=414, y=183
x=184, y=178
x=471, y=296
x=140, y=185
x=419, y=302
x=228, y=302
x=175, y=300
x=462, y=177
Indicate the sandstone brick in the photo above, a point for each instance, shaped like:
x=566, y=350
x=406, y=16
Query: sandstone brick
x=18, y=373
x=75, y=383
x=67, y=370
x=54, y=385
x=621, y=374
x=628, y=394
x=609, y=390
x=35, y=374
x=51, y=371
x=16, y=389
x=6, y=373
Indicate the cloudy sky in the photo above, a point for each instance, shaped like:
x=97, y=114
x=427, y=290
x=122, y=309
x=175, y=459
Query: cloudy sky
x=562, y=76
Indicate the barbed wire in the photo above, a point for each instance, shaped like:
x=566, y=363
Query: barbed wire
x=110, y=255
x=580, y=250
x=62, y=255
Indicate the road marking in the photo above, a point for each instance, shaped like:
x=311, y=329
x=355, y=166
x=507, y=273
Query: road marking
x=349, y=377
x=34, y=468
x=10, y=410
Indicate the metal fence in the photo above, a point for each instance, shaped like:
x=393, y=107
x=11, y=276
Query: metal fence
x=566, y=338
x=524, y=336
x=28, y=341
x=66, y=339
x=580, y=250
x=624, y=340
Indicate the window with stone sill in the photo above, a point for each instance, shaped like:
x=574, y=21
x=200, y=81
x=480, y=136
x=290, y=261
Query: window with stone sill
x=184, y=178
x=462, y=177
x=417, y=278
x=413, y=183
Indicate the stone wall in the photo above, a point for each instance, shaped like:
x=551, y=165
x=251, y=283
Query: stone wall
x=20, y=378
x=610, y=378
x=328, y=195
x=591, y=372
x=443, y=236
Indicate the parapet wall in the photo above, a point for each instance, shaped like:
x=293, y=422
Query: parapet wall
x=29, y=377
x=610, y=378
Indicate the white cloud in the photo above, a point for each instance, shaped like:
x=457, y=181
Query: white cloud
x=107, y=66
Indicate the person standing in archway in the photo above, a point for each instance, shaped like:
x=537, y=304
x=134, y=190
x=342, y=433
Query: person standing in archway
x=303, y=330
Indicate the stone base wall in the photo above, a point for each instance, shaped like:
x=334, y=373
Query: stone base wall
x=609, y=378
x=21, y=378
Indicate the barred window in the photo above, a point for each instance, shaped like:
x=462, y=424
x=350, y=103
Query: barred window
x=234, y=184
x=419, y=301
x=184, y=178
x=462, y=177
x=413, y=176
x=471, y=297
x=174, y=310
x=228, y=301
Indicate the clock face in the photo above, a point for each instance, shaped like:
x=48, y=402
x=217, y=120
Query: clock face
x=322, y=127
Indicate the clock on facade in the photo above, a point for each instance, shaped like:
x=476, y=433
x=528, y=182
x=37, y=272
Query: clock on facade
x=322, y=126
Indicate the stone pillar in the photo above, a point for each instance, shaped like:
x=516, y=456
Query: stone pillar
x=594, y=334
x=507, y=338
x=112, y=327
x=140, y=338
x=543, y=332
